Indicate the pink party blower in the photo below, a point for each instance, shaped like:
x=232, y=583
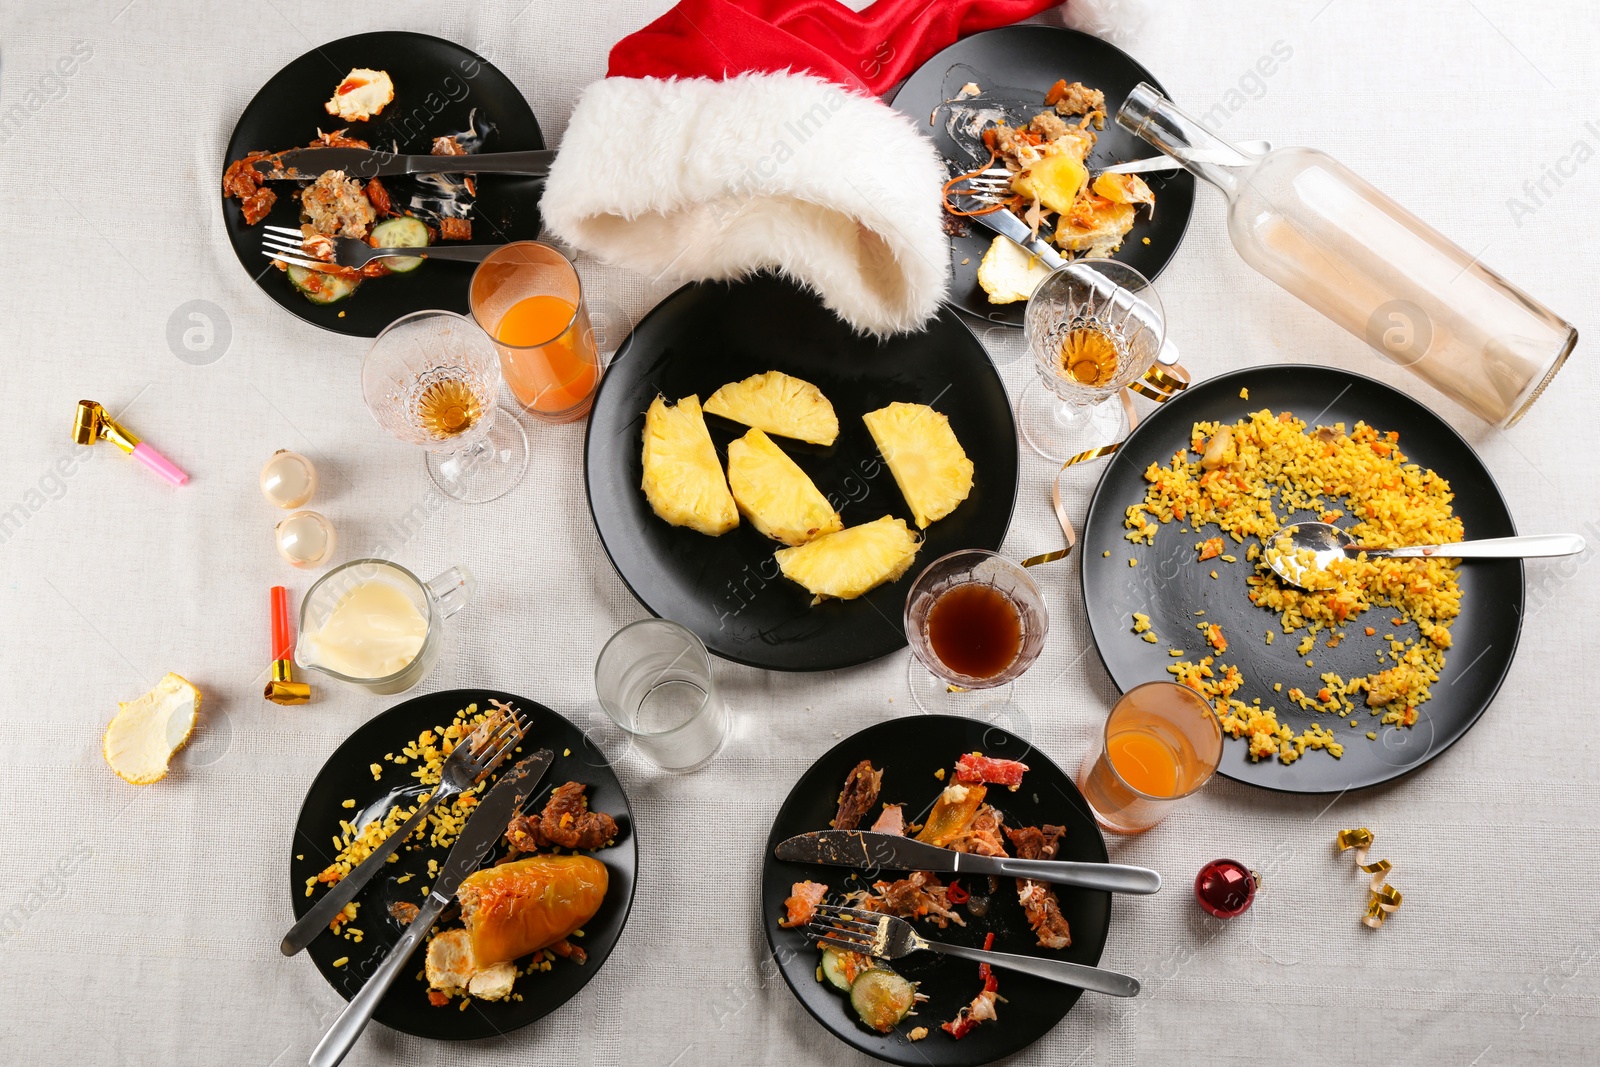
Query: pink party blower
x=94, y=422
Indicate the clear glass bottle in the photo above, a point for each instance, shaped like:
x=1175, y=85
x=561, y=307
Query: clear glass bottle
x=1331, y=238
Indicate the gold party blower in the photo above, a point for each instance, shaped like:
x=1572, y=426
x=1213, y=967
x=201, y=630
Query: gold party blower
x=283, y=689
x=93, y=422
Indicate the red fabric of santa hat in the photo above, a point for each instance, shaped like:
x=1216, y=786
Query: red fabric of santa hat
x=738, y=135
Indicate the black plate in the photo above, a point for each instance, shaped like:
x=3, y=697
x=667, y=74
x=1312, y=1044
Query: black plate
x=909, y=751
x=437, y=84
x=1169, y=586
x=727, y=589
x=1018, y=63
x=346, y=777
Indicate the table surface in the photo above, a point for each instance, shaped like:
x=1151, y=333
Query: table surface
x=141, y=925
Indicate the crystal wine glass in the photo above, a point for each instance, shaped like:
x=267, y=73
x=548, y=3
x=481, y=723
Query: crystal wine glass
x=432, y=378
x=1093, y=327
x=975, y=622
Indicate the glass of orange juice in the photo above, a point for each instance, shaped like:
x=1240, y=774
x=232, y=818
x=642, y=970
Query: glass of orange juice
x=1161, y=743
x=528, y=297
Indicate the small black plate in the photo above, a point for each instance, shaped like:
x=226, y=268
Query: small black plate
x=728, y=589
x=1170, y=586
x=437, y=85
x=1018, y=64
x=909, y=751
x=346, y=777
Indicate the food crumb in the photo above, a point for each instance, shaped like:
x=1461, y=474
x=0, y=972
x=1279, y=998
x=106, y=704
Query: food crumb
x=1133, y=562
x=920, y=1032
x=1309, y=663
x=1371, y=736
x=1269, y=637
x=566, y=752
x=1106, y=553
x=341, y=961
x=1213, y=574
x=939, y=774
x=965, y=260
x=348, y=804
x=1146, y=240
x=1369, y=631
x=1244, y=394
x=1152, y=638
x=377, y=771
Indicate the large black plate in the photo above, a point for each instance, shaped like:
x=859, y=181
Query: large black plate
x=908, y=751
x=437, y=84
x=1019, y=63
x=345, y=777
x=1169, y=586
x=728, y=589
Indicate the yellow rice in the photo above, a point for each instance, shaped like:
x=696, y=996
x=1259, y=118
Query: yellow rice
x=1271, y=468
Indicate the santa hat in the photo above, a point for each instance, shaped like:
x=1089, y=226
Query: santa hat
x=732, y=136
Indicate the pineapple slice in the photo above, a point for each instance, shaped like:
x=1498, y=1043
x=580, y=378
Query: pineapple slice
x=682, y=476
x=928, y=463
x=776, y=403
x=1055, y=181
x=850, y=562
x=775, y=494
x=1009, y=272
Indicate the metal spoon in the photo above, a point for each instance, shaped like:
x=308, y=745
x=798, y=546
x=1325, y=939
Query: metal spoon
x=1330, y=543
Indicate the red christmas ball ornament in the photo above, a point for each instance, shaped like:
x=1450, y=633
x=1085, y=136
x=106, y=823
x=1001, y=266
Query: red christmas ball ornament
x=1225, y=888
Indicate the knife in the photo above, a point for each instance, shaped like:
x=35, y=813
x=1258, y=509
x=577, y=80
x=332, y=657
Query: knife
x=304, y=164
x=1008, y=223
x=863, y=848
x=483, y=829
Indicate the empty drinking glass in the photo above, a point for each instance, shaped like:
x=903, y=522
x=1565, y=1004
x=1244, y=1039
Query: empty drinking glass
x=1092, y=327
x=654, y=680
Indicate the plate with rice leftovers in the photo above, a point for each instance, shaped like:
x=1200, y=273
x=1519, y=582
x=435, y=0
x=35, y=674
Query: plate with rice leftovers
x=394, y=91
x=1041, y=101
x=956, y=783
x=570, y=856
x=1357, y=680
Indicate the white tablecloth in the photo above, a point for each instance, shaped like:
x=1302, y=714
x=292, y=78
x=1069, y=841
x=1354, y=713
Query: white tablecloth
x=140, y=926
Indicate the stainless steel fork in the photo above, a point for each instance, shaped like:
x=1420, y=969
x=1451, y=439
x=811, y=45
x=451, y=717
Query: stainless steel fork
x=283, y=243
x=473, y=759
x=889, y=937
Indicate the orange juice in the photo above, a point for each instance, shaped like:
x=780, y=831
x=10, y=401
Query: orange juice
x=549, y=363
x=1144, y=761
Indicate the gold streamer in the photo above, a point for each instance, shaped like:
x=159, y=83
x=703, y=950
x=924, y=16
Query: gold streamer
x=1382, y=898
x=1159, y=385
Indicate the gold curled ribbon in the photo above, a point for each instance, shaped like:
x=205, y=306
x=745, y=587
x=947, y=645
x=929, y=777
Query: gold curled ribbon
x=1382, y=898
x=1159, y=384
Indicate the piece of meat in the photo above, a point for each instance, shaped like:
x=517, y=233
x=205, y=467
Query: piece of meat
x=451, y=229
x=974, y=768
x=981, y=835
x=1038, y=899
x=860, y=793
x=566, y=821
x=337, y=139
x=241, y=179
x=258, y=205
x=403, y=911
x=891, y=821
x=379, y=197
x=1078, y=99
x=1048, y=126
x=919, y=895
x=802, y=902
x=448, y=146
x=337, y=205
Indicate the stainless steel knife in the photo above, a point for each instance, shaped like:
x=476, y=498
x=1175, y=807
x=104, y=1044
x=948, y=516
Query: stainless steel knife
x=511, y=790
x=304, y=164
x=865, y=849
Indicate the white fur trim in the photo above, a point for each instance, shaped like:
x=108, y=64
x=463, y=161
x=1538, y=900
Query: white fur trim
x=697, y=179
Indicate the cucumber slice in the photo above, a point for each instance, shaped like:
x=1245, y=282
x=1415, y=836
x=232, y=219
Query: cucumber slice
x=403, y=232
x=833, y=969
x=882, y=998
x=320, y=287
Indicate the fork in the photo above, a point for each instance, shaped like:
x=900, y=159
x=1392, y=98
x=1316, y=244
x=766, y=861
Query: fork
x=470, y=762
x=889, y=937
x=283, y=243
x=995, y=183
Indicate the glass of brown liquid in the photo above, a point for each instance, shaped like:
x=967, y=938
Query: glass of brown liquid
x=432, y=378
x=975, y=621
x=1161, y=743
x=1093, y=327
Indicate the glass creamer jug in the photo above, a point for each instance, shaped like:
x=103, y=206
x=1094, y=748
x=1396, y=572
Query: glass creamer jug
x=1325, y=234
x=374, y=625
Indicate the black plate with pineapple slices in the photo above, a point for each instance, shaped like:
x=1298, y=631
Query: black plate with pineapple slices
x=730, y=589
